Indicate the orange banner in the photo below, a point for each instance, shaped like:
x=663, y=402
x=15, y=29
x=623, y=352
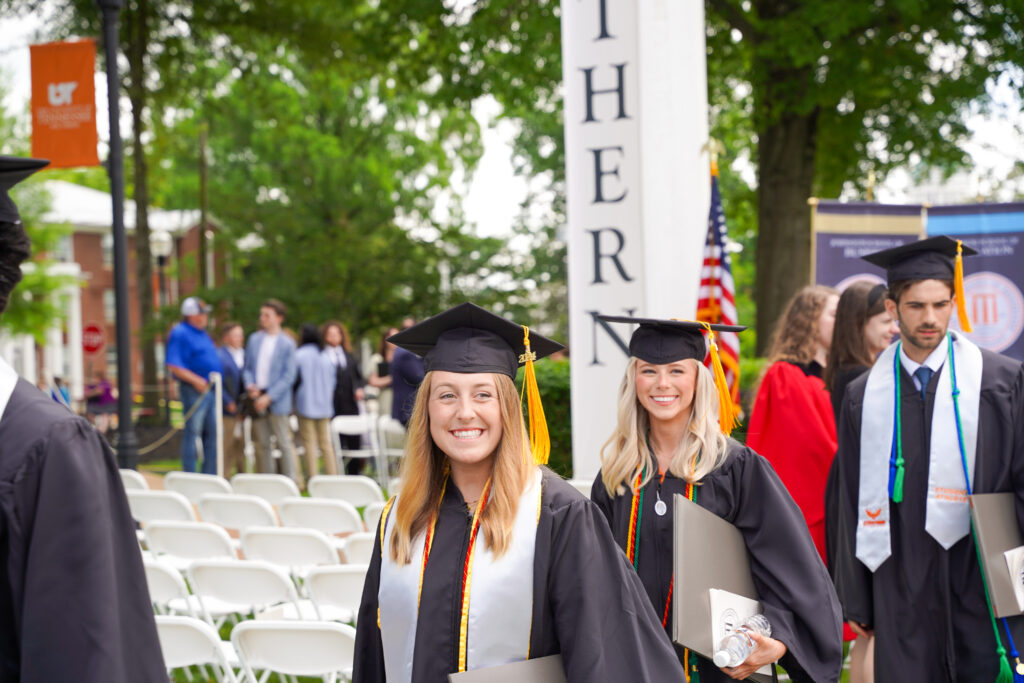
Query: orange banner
x=64, y=103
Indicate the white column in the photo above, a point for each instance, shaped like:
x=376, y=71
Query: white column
x=637, y=186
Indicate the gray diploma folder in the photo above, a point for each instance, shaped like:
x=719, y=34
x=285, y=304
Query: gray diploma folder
x=721, y=562
x=542, y=670
x=996, y=529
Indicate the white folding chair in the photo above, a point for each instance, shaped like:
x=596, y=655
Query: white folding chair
x=372, y=513
x=179, y=543
x=269, y=487
x=187, y=641
x=582, y=486
x=131, y=479
x=358, y=548
x=170, y=595
x=236, y=511
x=296, y=648
x=391, y=436
x=357, y=425
x=247, y=587
x=297, y=549
x=194, y=486
x=323, y=514
x=159, y=506
x=339, y=588
x=351, y=488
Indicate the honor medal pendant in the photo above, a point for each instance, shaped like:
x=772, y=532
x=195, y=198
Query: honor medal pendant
x=660, y=507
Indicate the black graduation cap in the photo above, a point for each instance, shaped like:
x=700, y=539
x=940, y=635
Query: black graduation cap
x=660, y=341
x=12, y=171
x=468, y=338
x=930, y=259
x=667, y=341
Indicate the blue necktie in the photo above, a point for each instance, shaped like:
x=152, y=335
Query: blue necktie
x=924, y=375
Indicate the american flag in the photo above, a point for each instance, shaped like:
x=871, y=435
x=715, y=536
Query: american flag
x=716, y=302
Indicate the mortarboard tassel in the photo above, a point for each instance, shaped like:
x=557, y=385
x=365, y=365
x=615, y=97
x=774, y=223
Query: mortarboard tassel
x=726, y=409
x=540, y=441
x=958, y=289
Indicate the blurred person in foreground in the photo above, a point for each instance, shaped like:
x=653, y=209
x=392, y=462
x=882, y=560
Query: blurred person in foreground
x=934, y=420
x=73, y=598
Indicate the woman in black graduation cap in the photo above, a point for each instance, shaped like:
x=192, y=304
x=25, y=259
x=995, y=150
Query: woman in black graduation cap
x=486, y=558
x=671, y=438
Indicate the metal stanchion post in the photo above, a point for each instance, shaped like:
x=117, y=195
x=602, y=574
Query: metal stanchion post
x=218, y=401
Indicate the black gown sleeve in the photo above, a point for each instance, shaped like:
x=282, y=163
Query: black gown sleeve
x=853, y=580
x=600, y=497
x=1017, y=458
x=604, y=621
x=368, y=664
x=792, y=583
x=82, y=607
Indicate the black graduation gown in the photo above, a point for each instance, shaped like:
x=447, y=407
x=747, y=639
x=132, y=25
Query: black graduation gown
x=73, y=598
x=927, y=604
x=587, y=602
x=839, y=383
x=794, y=587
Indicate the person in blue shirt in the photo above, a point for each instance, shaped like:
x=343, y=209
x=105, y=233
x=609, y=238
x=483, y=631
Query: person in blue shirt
x=191, y=357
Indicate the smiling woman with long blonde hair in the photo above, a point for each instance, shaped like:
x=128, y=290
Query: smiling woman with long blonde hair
x=486, y=558
x=671, y=437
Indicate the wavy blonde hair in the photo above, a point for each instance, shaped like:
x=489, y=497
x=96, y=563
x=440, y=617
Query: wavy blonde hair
x=425, y=469
x=701, y=452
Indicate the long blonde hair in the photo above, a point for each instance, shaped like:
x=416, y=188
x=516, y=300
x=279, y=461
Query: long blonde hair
x=425, y=469
x=626, y=452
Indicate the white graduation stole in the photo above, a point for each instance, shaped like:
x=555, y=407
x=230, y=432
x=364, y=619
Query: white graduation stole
x=948, y=517
x=500, y=596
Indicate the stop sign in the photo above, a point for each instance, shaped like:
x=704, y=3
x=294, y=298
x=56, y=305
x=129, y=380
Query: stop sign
x=92, y=338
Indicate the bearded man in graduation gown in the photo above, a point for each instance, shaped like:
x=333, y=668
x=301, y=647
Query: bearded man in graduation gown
x=932, y=406
x=73, y=598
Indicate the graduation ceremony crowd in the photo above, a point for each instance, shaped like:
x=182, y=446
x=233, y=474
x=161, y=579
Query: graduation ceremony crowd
x=872, y=423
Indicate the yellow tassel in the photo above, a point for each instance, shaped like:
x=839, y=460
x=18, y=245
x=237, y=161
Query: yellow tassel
x=958, y=288
x=726, y=408
x=540, y=441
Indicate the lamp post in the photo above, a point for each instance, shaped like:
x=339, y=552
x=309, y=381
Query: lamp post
x=160, y=245
x=127, y=443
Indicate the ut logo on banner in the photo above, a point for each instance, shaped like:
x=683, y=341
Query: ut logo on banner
x=60, y=93
x=64, y=103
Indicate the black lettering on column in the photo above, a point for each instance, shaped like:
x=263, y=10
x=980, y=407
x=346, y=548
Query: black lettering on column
x=598, y=323
x=602, y=8
x=589, y=92
x=613, y=255
x=600, y=172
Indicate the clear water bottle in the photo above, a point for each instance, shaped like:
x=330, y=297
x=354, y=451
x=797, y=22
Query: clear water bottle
x=737, y=646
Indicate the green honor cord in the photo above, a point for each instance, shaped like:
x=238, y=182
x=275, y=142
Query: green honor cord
x=1005, y=673
x=896, y=469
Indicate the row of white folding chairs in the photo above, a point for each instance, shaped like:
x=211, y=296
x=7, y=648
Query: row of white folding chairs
x=294, y=648
x=232, y=587
x=299, y=549
x=353, y=488
x=239, y=510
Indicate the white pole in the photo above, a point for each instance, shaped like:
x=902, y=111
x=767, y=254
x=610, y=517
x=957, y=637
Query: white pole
x=218, y=402
x=637, y=186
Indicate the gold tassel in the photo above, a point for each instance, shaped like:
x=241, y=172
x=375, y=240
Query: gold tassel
x=540, y=441
x=726, y=409
x=958, y=288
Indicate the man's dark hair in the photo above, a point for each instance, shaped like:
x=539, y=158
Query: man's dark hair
x=228, y=326
x=897, y=288
x=14, y=249
x=276, y=305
